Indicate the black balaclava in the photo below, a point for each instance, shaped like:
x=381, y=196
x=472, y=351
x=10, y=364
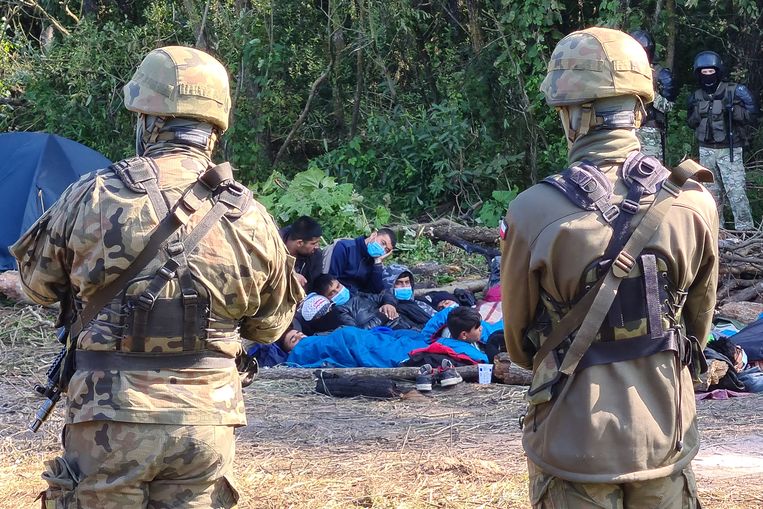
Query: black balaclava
x=709, y=82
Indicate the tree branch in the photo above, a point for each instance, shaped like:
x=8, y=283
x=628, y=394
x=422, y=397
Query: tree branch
x=53, y=21
x=303, y=115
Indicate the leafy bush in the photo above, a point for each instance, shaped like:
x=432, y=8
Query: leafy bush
x=337, y=207
x=421, y=157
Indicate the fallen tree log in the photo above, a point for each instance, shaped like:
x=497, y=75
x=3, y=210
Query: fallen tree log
x=516, y=376
x=473, y=285
x=446, y=230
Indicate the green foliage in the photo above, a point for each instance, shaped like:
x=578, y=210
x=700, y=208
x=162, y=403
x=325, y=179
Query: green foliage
x=495, y=208
x=337, y=207
x=416, y=158
x=427, y=106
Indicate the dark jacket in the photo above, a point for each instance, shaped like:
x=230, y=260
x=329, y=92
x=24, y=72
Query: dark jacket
x=308, y=266
x=708, y=114
x=362, y=311
x=414, y=311
x=267, y=355
x=354, y=268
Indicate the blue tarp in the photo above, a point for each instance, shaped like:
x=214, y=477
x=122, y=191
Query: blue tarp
x=35, y=168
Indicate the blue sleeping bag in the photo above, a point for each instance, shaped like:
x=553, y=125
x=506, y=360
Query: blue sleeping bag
x=350, y=347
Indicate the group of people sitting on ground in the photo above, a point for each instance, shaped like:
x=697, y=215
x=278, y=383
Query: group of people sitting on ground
x=359, y=312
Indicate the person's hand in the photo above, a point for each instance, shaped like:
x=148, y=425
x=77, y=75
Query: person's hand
x=301, y=279
x=389, y=311
x=382, y=257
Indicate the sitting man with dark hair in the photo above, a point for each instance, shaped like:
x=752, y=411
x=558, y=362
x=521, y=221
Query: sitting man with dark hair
x=357, y=263
x=302, y=238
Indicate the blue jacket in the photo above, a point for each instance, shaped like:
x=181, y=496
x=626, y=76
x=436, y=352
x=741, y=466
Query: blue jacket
x=267, y=355
x=354, y=268
x=435, y=325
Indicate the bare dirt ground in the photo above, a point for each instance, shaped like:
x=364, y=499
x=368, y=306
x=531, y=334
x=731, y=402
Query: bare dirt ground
x=458, y=448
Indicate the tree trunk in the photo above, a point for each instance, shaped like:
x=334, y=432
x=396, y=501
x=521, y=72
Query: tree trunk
x=475, y=33
x=303, y=115
x=359, y=64
x=670, y=12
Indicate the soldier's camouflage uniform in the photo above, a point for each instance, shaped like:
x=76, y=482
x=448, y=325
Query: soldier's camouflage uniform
x=164, y=437
x=650, y=133
x=708, y=115
x=729, y=185
x=606, y=436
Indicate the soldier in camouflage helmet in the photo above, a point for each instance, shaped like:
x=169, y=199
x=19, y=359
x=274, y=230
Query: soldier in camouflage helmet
x=612, y=423
x=156, y=394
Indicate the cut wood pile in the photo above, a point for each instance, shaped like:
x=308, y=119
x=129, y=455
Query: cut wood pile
x=741, y=271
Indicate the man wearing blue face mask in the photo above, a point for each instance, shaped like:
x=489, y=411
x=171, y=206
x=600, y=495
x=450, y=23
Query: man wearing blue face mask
x=398, y=281
x=357, y=263
x=359, y=309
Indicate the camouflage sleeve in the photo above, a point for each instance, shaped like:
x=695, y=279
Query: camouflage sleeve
x=272, y=300
x=43, y=253
x=520, y=291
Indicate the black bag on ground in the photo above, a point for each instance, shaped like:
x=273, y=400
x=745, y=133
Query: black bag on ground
x=339, y=386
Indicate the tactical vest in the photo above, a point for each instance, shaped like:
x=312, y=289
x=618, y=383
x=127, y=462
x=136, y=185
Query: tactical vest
x=161, y=317
x=645, y=316
x=654, y=118
x=713, y=113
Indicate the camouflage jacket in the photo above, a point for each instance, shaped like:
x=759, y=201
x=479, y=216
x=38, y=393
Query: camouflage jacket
x=96, y=229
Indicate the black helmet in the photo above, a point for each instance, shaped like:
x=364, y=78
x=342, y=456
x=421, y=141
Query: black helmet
x=707, y=59
x=646, y=41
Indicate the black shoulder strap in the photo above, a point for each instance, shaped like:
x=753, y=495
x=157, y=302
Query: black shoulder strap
x=587, y=187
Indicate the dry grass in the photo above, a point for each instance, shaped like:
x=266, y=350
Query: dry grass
x=458, y=448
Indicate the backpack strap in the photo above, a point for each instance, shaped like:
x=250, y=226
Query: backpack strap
x=587, y=187
x=589, y=312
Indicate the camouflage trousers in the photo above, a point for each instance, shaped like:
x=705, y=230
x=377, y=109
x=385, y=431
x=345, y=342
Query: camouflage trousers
x=678, y=491
x=120, y=465
x=729, y=185
x=651, y=142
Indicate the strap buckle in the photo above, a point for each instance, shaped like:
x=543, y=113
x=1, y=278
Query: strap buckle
x=175, y=248
x=190, y=298
x=671, y=187
x=146, y=301
x=165, y=273
x=629, y=206
x=610, y=213
x=623, y=264
x=236, y=188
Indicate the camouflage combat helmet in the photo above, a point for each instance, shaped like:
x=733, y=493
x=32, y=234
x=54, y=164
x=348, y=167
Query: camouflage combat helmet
x=597, y=63
x=176, y=81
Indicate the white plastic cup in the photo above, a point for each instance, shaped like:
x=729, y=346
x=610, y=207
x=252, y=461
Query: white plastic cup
x=485, y=372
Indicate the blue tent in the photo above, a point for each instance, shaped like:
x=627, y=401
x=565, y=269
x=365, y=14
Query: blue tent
x=35, y=168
